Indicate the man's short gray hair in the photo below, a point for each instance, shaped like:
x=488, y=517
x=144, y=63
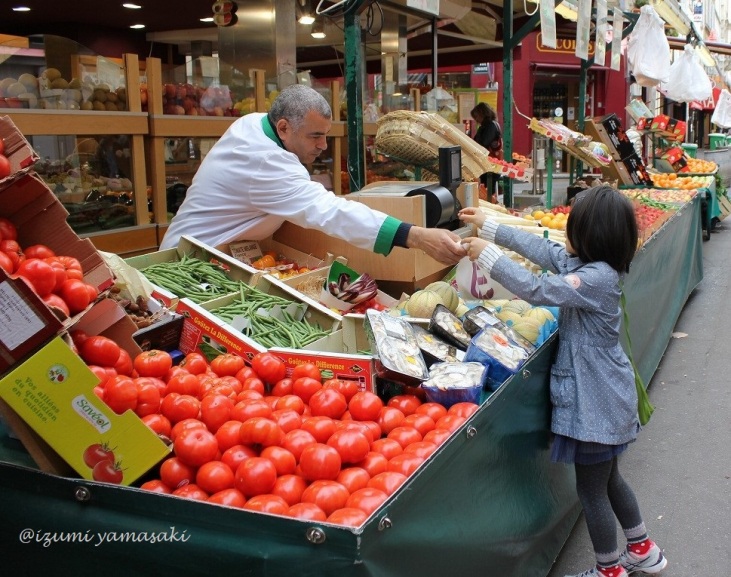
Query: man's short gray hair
x=295, y=101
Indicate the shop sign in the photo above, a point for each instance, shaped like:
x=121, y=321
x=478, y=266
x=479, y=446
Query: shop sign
x=563, y=46
x=707, y=104
x=482, y=68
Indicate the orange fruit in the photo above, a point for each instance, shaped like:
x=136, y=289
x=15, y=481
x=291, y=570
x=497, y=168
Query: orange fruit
x=546, y=221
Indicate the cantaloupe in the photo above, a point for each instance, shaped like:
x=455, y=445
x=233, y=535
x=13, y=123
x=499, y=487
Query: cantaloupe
x=422, y=303
x=447, y=292
x=528, y=328
x=508, y=316
x=541, y=314
x=518, y=306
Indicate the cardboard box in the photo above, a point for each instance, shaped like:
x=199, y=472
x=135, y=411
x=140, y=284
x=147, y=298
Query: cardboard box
x=205, y=333
x=40, y=219
x=676, y=129
x=17, y=150
x=660, y=122
x=249, y=251
x=53, y=394
x=192, y=247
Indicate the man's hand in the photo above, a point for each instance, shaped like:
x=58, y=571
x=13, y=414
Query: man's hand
x=442, y=245
x=472, y=215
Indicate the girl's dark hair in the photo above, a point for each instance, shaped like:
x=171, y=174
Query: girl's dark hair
x=485, y=111
x=602, y=227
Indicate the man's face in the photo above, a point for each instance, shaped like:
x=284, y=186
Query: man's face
x=309, y=141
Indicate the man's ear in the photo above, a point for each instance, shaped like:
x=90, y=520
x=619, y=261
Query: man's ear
x=283, y=127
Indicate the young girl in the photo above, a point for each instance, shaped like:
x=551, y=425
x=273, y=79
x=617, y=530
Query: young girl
x=592, y=382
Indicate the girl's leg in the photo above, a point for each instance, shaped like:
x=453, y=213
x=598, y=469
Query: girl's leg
x=592, y=485
x=624, y=505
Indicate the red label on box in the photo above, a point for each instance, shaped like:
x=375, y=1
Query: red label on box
x=660, y=122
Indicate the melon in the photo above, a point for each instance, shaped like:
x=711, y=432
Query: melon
x=447, y=292
x=518, y=306
x=496, y=303
x=541, y=314
x=462, y=310
x=528, y=328
x=422, y=303
x=508, y=317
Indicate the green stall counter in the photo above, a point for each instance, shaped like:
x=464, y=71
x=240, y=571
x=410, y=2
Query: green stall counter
x=489, y=502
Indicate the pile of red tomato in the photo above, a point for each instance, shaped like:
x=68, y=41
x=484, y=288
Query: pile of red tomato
x=58, y=280
x=252, y=438
x=4, y=162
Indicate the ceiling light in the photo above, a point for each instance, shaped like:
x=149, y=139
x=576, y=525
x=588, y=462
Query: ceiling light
x=21, y=9
x=209, y=19
x=306, y=19
x=318, y=30
x=670, y=11
x=568, y=10
x=307, y=16
x=137, y=26
x=132, y=6
x=705, y=56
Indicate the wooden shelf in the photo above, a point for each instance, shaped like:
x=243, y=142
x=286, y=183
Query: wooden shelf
x=78, y=122
x=169, y=126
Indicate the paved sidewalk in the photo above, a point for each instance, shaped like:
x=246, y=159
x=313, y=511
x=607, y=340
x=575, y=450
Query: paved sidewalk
x=680, y=466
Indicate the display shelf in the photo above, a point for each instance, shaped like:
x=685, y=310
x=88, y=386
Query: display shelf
x=80, y=122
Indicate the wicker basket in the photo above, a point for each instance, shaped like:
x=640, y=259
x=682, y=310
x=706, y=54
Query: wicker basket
x=417, y=136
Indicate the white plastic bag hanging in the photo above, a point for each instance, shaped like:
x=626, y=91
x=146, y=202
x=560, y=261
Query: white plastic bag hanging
x=648, y=50
x=688, y=81
x=722, y=114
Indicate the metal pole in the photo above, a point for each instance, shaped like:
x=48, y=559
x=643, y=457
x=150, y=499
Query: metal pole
x=549, y=173
x=354, y=97
x=434, y=53
x=581, y=117
x=508, y=97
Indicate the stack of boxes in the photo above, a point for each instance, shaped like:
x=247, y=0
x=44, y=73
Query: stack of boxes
x=627, y=164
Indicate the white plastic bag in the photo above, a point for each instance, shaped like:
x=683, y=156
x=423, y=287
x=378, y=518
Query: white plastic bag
x=688, y=80
x=648, y=50
x=722, y=114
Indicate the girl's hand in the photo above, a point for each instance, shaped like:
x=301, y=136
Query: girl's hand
x=472, y=215
x=474, y=246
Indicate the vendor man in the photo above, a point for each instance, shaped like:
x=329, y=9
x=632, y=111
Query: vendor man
x=254, y=179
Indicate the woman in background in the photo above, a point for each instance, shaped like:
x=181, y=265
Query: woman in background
x=490, y=136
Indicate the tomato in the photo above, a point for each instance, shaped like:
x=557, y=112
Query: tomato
x=7, y=229
x=184, y=425
x=153, y=363
x=234, y=456
x=292, y=402
x=260, y=431
x=367, y=499
x=465, y=410
x=373, y=464
x=227, y=435
x=405, y=436
x=107, y=472
x=328, y=495
x=328, y=403
x=54, y=301
x=120, y=394
x=156, y=486
x=256, y=476
x=287, y=419
x=437, y=436
x=229, y=498
x=246, y=395
x=194, y=363
x=345, y=387
x=405, y=463
x=347, y=516
x=39, y=273
x=387, y=482
x=407, y=404
x=433, y=410
x=283, y=388
x=175, y=474
x=296, y=441
x=421, y=449
x=422, y=423
x=214, y=476
x=5, y=263
x=450, y=422
x=321, y=428
x=13, y=251
x=365, y=406
x=148, y=398
x=305, y=387
x=283, y=460
x=191, y=491
x=195, y=447
x=74, y=292
x=418, y=392
x=270, y=368
x=100, y=351
x=123, y=366
x=38, y=251
x=245, y=373
x=353, y=478
x=227, y=365
x=60, y=272
x=290, y=488
x=158, y=423
x=245, y=410
x=306, y=370
x=92, y=291
x=72, y=266
x=102, y=373
x=307, y=511
x=267, y=504
x=93, y=454
x=254, y=384
x=352, y=445
x=389, y=418
x=177, y=407
x=387, y=447
x=320, y=462
x=215, y=411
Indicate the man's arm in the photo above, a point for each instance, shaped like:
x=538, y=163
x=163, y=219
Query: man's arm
x=440, y=244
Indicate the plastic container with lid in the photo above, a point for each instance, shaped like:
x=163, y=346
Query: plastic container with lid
x=716, y=140
x=690, y=149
